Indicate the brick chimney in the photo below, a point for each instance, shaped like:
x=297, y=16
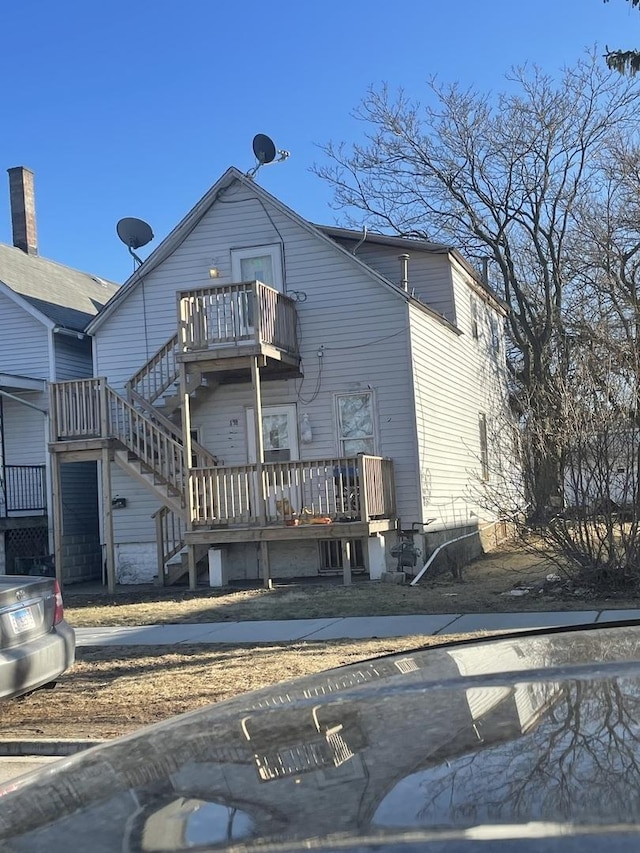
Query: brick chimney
x=23, y=209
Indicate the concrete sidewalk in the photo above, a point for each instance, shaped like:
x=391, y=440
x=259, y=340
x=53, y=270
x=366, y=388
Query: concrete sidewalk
x=345, y=628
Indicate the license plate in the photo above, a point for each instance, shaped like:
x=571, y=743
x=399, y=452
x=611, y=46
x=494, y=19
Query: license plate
x=22, y=620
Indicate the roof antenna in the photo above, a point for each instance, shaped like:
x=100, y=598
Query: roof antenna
x=134, y=233
x=265, y=150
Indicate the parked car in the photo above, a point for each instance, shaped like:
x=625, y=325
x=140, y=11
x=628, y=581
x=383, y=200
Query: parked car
x=528, y=742
x=36, y=644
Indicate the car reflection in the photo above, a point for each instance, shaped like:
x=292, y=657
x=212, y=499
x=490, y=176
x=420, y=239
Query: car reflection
x=444, y=738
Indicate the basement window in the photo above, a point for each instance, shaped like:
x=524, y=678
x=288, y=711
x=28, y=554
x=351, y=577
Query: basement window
x=331, y=555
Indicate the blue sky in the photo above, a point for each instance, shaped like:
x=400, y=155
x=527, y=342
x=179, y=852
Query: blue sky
x=135, y=109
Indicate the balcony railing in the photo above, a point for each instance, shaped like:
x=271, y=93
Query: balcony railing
x=341, y=489
x=231, y=314
x=23, y=490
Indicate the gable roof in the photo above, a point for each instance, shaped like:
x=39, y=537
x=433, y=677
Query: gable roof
x=63, y=295
x=193, y=217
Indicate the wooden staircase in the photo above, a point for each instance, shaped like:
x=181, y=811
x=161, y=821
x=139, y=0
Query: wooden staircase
x=155, y=391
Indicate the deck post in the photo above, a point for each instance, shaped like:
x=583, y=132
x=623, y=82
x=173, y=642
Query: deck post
x=346, y=561
x=107, y=514
x=160, y=547
x=56, y=494
x=186, y=443
x=192, y=563
x=261, y=511
x=264, y=564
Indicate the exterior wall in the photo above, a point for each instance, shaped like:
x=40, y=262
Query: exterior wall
x=24, y=342
x=80, y=531
x=25, y=435
x=429, y=273
x=360, y=326
x=470, y=379
x=72, y=358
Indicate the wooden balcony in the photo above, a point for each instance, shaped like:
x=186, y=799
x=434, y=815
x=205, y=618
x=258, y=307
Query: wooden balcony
x=325, y=498
x=224, y=326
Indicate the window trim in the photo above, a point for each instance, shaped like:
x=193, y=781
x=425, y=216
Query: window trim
x=484, y=446
x=274, y=250
x=339, y=437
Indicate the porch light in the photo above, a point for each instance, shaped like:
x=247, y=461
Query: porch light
x=214, y=272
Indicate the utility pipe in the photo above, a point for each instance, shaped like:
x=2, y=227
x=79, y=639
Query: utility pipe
x=424, y=569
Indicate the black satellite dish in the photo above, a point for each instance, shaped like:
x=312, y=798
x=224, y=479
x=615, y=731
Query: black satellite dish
x=264, y=149
x=134, y=233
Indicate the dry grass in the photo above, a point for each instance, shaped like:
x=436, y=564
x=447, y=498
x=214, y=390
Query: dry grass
x=483, y=590
x=113, y=691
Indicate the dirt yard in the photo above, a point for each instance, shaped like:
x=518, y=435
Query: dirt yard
x=496, y=582
x=113, y=691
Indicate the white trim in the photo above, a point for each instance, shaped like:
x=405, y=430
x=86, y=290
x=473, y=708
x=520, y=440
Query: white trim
x=291, y=411
x=352, y=393
x=23, y=303
x=22, y=383
x=272, y=250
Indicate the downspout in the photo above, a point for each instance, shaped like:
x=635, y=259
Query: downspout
x=425, y=568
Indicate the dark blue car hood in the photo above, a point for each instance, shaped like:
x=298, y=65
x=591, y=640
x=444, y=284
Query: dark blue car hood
x=530, y=741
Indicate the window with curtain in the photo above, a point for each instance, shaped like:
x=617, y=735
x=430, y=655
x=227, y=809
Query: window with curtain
x=355, y=423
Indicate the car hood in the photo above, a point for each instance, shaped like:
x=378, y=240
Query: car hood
x=527, y=737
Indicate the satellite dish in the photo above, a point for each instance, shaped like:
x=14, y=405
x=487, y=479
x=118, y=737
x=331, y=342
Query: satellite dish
x=133, y=232
x=264, y=149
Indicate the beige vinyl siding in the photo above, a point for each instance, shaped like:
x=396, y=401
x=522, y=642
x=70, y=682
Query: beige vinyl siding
x=24, y=342
x=72, y=358
x=360, y=325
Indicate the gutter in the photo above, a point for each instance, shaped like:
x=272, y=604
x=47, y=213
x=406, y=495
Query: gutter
x=62, y=330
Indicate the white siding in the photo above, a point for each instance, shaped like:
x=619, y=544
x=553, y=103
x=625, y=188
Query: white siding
x=456, y=378
x=72, y=358
x=429, y=273
x=24, y=431
x=24, y=342
x=361, y=326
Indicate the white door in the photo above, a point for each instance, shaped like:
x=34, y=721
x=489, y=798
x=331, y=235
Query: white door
x=261, y=263
x=280, y=437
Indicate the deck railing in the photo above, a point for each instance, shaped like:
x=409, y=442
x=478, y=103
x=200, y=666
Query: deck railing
x=344, y=489
x=158, y=374
x=235, y=313
x=89, y=408
x=338, y=488
x=23, y=490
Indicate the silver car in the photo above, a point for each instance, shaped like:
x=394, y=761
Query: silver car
x=36, y=644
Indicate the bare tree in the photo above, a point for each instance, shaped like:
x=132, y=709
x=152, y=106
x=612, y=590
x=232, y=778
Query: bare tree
x=624, y=61
x=499, y=177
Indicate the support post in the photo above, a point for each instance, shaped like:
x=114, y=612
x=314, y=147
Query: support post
x=160, y=547
x=56, y=494
x=193, y=575
x=257, y=408
x=186, y=443
x=107, y=514
x=346, y=561
x=264, y=564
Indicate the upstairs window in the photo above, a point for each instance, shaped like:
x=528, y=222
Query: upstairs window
x=258, y=263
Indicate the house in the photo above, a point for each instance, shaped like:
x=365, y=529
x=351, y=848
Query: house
x=374, y=366
x=44, y=309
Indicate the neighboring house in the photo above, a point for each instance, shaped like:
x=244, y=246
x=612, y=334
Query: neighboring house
x=375, y=378
x=44, y=309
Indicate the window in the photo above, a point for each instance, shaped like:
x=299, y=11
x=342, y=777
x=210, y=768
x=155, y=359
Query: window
x=261, y=263
x=355, y=423
x=484, y=447
x=474, y=318
x=331, y=555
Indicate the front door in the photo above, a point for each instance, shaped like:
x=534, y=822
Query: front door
x=280, y=437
